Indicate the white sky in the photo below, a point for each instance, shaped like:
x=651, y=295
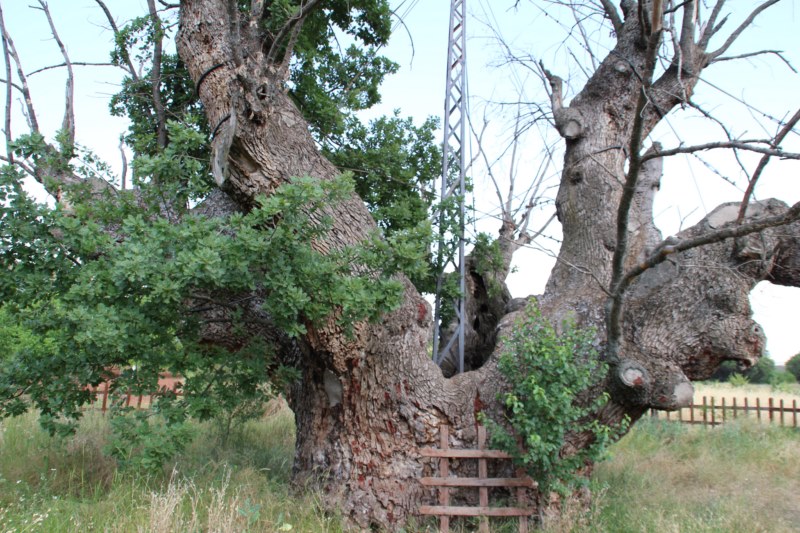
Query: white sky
x=689, y=190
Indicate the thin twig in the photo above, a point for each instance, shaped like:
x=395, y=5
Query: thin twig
x=778, y=53
x=18, y=163
x=743, y=26
x=762, y=164
x=123, y=49
x=74, y=64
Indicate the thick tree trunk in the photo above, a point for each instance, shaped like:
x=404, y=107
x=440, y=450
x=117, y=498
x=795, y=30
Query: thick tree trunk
x=367, y=403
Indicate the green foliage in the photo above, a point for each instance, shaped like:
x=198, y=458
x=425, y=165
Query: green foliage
x=793, y=366
x=59, y=485
x=781, y=380
x=145, y=440
x=547, y=373
x=738, y=380
x=116, y=285
x=79, y=299
x=329, y=82
x=762, y=372
x=394, y=166
x=488, y=261
x=394, y=163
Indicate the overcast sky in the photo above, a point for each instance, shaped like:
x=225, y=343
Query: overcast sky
x=689, y=190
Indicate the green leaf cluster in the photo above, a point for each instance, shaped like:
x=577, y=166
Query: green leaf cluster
x=80, y=299
x=547, y=374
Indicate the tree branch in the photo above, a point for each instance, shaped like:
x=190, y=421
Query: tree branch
x=68, y=124
x=778, y=53
x=296, y=19
x=74, y=64
x=7, y=116
x=762, y=164
x=670, y=246
x=11, y=161
x=740, y=145
x=155, y=74
x=26, y=93
x=613, y=15
x=124, y=173
x=636, y=159
x=711, y=26
x=743, y=26
x=123, y=49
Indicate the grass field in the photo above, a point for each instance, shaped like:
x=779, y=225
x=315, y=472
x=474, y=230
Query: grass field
x=662, y=477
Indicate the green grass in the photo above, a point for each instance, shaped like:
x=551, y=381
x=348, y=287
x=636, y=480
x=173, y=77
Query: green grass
x=69, y=485
x=662, y=477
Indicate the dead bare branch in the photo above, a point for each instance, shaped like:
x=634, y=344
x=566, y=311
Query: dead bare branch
x=124, y=173
x=748, y=145
x=68, y=124
x=26, y=93
x=738, y=31
x=124, y=51
x=762, y=164
x=7, y=116
x=73, y=63
x=671, y=246
x=778, y=53
x=12, y=84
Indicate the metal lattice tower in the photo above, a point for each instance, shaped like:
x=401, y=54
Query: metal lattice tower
x=453, y=180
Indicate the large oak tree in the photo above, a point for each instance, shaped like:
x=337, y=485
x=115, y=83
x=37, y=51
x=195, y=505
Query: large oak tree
x=366, y=395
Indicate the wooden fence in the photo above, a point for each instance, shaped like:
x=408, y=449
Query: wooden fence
x=712, y=412
x=445, y=482
x=102, y=393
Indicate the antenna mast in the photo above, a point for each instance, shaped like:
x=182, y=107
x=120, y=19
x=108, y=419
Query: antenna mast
x=453, y=181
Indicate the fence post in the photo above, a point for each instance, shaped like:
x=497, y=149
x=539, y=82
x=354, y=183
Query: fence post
x=771, y=414
x=105, y=398
x=723, y=410
x=735, y=412
x=691, y=412
x=483, y=473
x=713, y=412
x=781, y=404
x=444, y=471
x=758, y=408
x=705, y=413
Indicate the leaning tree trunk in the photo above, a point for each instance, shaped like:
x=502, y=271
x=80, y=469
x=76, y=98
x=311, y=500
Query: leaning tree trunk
x=366, y=404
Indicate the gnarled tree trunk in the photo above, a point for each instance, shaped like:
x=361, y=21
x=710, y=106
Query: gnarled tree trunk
x=366, y=404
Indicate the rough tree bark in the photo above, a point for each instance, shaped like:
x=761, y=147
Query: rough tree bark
x=366, y=404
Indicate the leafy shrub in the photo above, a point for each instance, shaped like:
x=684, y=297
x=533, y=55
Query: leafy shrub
x=793, y=366
x=145, y=440
x=738, y=380
x=762, y=371
x=546, y=372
